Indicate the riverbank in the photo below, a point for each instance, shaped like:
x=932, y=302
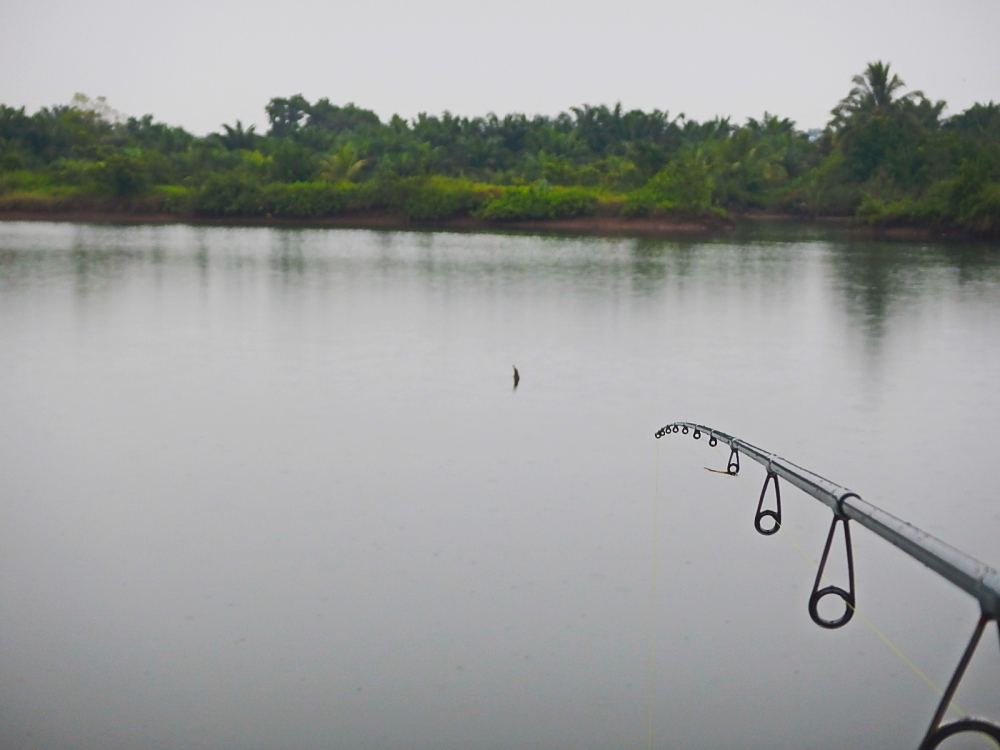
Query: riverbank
x=611, y=225
x=579, y=225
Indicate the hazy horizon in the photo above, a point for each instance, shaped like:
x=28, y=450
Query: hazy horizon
x=199, y=65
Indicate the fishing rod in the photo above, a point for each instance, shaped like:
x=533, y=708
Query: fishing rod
x=972, y=576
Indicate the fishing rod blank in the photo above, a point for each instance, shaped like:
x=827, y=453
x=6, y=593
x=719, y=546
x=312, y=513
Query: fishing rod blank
x=972, y=576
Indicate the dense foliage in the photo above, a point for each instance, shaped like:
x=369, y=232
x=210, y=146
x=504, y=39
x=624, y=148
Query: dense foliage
x=886, y=156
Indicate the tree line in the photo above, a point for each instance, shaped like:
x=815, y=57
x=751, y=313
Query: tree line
x=886, y=156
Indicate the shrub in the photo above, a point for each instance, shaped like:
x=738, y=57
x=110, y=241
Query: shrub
x=877, y=210
x=981, y=213
x=946, y=203
x=291, y=162
x=644, y=202
x=306, y=199
x=539, y=201
x=123, y=175
x=60, y=198
x=366, y=196
x=22, y=180
x=228, y=194
x=826, y=189
x=685, y=184
x=442, y=198
x=174, y=199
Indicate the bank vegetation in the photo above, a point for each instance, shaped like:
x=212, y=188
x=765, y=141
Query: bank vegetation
x=887, y=157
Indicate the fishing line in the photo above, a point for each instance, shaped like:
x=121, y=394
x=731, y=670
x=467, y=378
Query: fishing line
x=972, y=576
x=654, y=579
x=796, y=543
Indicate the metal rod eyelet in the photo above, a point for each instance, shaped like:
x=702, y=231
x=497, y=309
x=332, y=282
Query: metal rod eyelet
x=848, y=596
x=762, y=513
x=938, y=732
x=969, y=724
x=733, y=465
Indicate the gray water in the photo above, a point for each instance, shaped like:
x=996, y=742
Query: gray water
x=268, y=488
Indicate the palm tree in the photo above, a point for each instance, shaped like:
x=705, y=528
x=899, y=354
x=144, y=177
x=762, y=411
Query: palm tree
x=770, y=125
x=874, y=91
x=237, y=137
x=343, y=164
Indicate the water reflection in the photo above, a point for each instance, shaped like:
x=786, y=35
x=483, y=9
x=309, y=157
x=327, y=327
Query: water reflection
x=654, y=260
x=872, y=277
x=288, y=255
x=880, y=280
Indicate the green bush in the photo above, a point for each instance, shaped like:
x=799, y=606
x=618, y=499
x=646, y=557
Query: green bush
x=644, y=202
x=539, y=202
x=75, y=172
x=875, y=209
x=366, y=196
x=23, y=180
x=291, y=162
x=228, y=194
x=123, y=175
x=59, y=198
x=826, y=189
x=305, y=200
x=947, y=203
x=236, y=194
x=685, y=184
x=174, y=199
x=442, y=198
x=981, y=213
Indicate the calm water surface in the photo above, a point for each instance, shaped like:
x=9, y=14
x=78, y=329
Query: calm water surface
x=268, y=488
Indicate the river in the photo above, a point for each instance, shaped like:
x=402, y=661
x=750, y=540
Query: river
x=267, y=488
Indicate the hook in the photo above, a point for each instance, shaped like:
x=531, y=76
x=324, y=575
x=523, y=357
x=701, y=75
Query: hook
x=847, y=596
x=773, y=514
x=936, y=733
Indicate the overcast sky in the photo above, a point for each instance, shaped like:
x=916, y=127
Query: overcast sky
x=199, y=63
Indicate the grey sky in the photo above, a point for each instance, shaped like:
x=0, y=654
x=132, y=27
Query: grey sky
x=199, y=64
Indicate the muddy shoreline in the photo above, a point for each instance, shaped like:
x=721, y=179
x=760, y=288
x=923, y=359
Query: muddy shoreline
x=613, y=226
